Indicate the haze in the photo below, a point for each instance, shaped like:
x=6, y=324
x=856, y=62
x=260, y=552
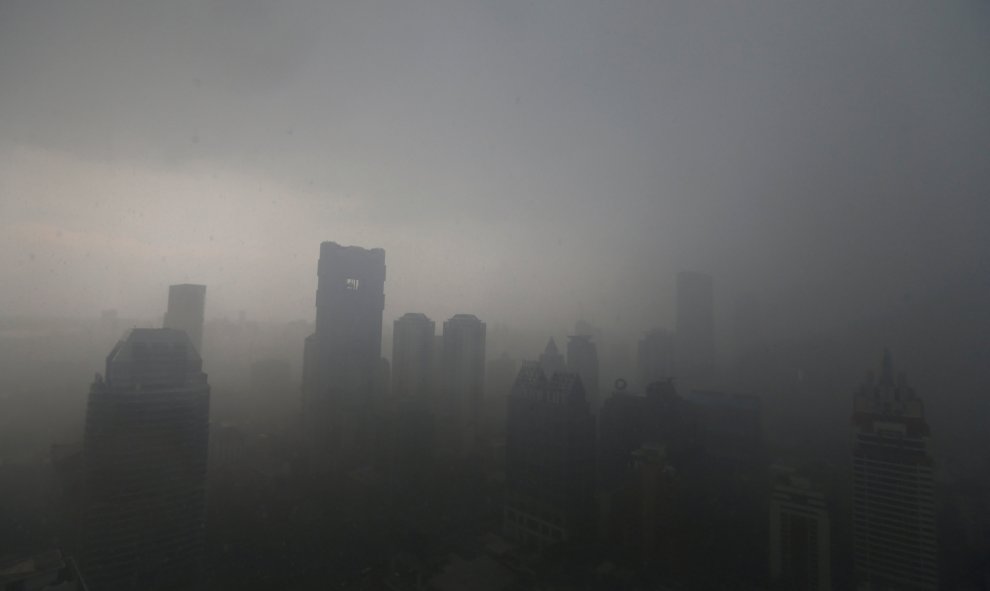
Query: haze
x=531, y=163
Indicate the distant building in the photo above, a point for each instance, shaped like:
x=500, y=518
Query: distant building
x=695, y=325
x=655, y=357
x=551, y=359
x=145, y=461
x=550, y=456
x=186, y=306
x=412, y=358
x=893, y=487
x=464, y=377
x=582, y=359
x=800, y=539
x=342, y=362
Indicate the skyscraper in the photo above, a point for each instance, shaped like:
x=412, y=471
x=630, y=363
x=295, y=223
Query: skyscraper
x=464, y=375
x=582, y=359
x=550, y=459
x=412, y=358
x=893, y=487
x=186, y=304
x=800, y=558
x=145, y=454
x=695, y=338
x=342, y=363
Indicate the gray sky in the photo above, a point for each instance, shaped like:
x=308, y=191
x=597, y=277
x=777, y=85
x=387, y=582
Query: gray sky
x=516, y=159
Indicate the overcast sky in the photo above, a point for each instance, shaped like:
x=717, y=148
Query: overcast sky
x=516, y=159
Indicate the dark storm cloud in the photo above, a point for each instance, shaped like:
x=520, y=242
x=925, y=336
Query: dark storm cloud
x=832, y=148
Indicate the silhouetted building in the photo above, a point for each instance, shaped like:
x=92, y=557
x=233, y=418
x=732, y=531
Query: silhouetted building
x=800, y=540
x=695, y=355
x=582, y=359
x=893, y=487
x=550, y=454
x=186, y=306
x=551, y=360
x=412, y=358
x=655, y=357
x=639, y=515
x=463, y=380
x=342, y=363
x=145, y=456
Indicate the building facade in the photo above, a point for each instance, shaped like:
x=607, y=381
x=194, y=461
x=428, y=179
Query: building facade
x=145, y=460
x=550, y=459
x=463, y=370
x=800, y=535
x=343, y=371
x=894, y=536
x=412, y=358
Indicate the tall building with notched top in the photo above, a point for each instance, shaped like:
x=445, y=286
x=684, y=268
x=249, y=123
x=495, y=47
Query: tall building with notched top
x=343, y=371
x=893, y=488
x=145, y=455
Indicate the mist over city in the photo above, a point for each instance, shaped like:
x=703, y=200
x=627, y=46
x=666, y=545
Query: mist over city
x=673, y=295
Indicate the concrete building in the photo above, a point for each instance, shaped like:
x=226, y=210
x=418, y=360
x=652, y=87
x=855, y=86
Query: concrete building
x=463, y=380
x=412, y=358
x=893, y=487
x=582, y=359
x=800, y=538
x=145, y=461
x=550, y=458
x=343, y=372
x=186, y=306
x=695, y=337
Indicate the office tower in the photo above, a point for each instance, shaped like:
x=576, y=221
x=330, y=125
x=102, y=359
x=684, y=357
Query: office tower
x=582, y=359
x=186, y=303
x=655, y=357
x=464, y=377
x=551, y=360
x=550, y=456
x=799, y=534
x=342, y=364
x=893, y=487
x=412, y=358
x=145, y=458
x=695, y=325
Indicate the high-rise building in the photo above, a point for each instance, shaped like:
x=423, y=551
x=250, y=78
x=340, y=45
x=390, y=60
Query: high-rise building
x=893, y=487
x=550, y=458
x=800, y=558
x=342, y=363
x=145, y=460
x=464, y=377
x=695, y=355
x=655, y=357
x=186, y=305
x=412, y=358
x=582, y=359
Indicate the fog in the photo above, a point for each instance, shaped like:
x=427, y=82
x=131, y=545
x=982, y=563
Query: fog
x=535, y=164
